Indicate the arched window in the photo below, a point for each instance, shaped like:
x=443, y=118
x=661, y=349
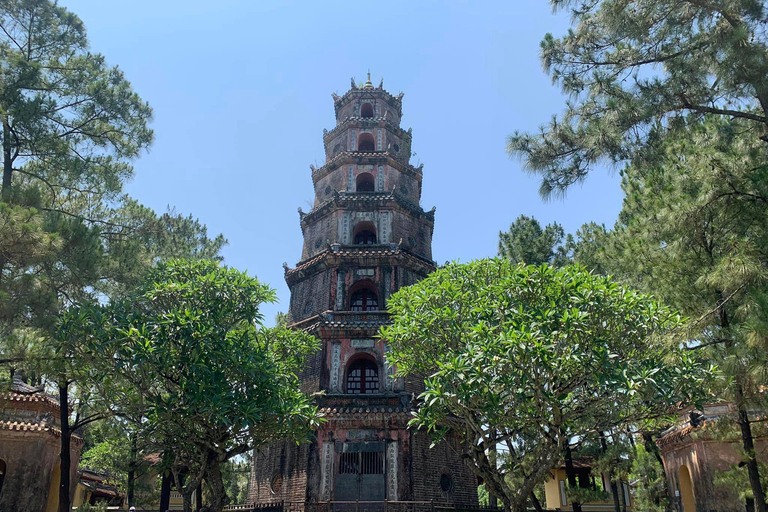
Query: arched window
x=365, y=143
x=364, y=183
x=364, y=233
x=363, y=377
x=366, y=110
x=364, y=299
x=2, y=473
x=365, y=238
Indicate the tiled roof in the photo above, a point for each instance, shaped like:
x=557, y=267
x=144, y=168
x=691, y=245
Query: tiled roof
x=365, y=199
x=372, y=120
x=360, y=251
x=338, y=411
x=22, y=426
x=344, y=320
x=392, y=160
x=675, y=436
x=13, y=396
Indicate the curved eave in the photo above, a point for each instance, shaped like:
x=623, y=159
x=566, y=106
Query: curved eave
x=328, y=135
x=374, y=158
x=342, y=200
x=352, y=94
x=338, y=255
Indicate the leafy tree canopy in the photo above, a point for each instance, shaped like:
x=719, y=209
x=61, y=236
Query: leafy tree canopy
x=537, y=358
x=213, y=382
x=634, y=71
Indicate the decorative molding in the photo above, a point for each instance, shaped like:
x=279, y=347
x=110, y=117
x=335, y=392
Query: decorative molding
x=392, y=471
x=365, y=343
x=327, y=471
x=339, y=290
x=335, y=366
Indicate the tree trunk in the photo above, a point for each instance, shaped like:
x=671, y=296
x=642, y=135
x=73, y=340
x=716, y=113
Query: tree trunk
x=492, y=500
x=535, y=503
x=65, y=456
x=614, y=492
x=132, y=470
x=199, y=497
x=749, y=449
x=7, y=162
x=571, y=473
x=218, y=494
x=165, y=491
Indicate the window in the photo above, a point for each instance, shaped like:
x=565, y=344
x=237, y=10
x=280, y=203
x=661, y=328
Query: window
x=365, y=238
x=446, y=483
x=276, y=484
x=362, y=463
x=563, y=496
x=364, y=299
x=366, y=110
x=365, y=143
x=364, y=183
x=363, y=377
x=364, y=233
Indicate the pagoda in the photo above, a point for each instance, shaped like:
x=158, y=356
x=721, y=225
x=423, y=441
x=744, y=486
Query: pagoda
x=365, y=237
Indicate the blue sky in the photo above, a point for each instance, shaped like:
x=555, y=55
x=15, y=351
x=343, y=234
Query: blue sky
x=242, y=91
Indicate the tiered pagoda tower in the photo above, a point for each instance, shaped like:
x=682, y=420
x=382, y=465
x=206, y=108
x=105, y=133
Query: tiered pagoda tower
x=365, y=237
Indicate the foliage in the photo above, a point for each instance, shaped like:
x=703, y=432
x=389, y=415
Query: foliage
x=71, y=123
x=692, y=230
x=542, y=358
x=482, y=495
x=635, y=73
x=650, y=485
x=526, y=242
x=212, y=381
x=86, y=507
x=236, y=475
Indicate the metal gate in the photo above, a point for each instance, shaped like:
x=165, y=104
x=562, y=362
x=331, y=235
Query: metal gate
x=361, y=472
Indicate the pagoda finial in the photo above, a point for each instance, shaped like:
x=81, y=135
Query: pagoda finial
x=368, y=84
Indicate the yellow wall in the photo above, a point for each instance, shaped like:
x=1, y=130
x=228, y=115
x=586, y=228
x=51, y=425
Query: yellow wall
x=53, y=493
x=552, y=495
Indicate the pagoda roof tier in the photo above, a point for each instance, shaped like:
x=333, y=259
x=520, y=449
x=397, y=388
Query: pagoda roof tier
x=373, y=158
x=336, y=255
x=357, y=200
x=366, y=92
x=365, y=122
x=366, y=321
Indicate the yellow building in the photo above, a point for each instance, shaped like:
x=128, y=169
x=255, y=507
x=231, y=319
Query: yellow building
x=30, y=445
x=555, y=489
x=92, y=488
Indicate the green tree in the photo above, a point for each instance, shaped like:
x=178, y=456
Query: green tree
x=633, y=73
x=692, y=230
x=540, y=359
x=650, y=482
x=70, y=122
x=526, y=242
x=214, y=383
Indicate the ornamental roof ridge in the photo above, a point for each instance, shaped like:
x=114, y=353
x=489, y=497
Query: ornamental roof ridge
x=344, y=319
x=353, y=251
x=402, y=132
x=365, y=197
x=359, y=91
x=23, y=426
x=336, y=411
x=333, y=163
x=13, y=396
